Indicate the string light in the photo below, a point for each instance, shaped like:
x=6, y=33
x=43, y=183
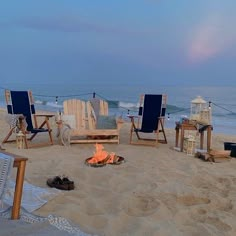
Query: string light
x=209, y=105
x=94, y=94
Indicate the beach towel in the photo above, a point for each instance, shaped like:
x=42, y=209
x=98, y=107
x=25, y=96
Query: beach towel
x=33, y=197
x=6, y=164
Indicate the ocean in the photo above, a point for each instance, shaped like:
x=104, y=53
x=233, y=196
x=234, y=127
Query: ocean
x=124, y=99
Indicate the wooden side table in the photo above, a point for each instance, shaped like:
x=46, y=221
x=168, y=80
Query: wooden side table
x=180, y=129
x=20, y=164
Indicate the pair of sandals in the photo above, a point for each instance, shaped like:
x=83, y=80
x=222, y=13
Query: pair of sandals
x=62, y=183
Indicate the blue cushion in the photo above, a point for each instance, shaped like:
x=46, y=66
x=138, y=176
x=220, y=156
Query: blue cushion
x=106, y=122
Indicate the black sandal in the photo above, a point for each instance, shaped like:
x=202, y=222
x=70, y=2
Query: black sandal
x=62, y=184
x=69, y=182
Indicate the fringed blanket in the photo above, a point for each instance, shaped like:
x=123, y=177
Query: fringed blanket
x=52, y=224
x=6, y=165
x=14, y=121
x=33, y=196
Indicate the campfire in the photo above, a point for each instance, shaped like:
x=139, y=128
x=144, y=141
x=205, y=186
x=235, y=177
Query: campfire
x=101, y=157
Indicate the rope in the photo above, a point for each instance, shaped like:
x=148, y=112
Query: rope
x=125, y=108
x=184, y=109
x=100, y=96
x=224, y=108
x=63, y=96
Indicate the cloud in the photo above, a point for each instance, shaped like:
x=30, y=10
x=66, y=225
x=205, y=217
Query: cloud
x=62, y=24
x=211, y=37
x=73, y=24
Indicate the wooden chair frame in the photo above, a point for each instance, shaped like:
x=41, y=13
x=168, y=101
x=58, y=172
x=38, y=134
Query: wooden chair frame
x=137, y=122
x=34, y=127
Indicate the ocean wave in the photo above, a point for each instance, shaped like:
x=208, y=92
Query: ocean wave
x=112, y=104
x=131, y=106
x=128, y=105
x=40, y=102
x=48, y=103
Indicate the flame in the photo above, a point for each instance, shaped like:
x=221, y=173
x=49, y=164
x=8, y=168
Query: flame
x=112, y=158
x=102, y=156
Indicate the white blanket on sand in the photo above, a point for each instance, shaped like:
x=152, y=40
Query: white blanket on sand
x=32, y=199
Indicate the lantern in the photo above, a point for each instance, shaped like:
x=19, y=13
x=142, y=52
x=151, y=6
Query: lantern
x=191, y=143
x=200, y=111
x=20, y=140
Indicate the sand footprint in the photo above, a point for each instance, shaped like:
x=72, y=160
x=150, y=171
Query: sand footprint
x=145, y=187
x=191, y=200
x=222, y=185
x=233, y=180
x=141, y=205
x=225, y=181
x=216, y=222
x=121, y=186
x=201, y=215
x=222, y=204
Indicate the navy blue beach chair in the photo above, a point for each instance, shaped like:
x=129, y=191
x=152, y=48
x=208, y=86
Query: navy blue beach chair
x=20, y=104
x=150, y=120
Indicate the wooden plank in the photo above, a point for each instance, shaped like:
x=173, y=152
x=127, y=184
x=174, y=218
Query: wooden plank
x=91, y=116
x=76, y=106
x=103, y=108
x=94, y=132
x=95, y=141
x=84, y=119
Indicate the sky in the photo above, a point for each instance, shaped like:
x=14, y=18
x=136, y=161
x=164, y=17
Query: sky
x=165, y=42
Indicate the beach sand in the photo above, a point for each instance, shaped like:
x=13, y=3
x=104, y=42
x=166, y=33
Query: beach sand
x=157, y=191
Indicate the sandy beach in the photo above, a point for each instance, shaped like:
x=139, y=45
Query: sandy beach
x=157, y=191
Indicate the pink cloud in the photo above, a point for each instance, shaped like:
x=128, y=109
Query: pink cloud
x=210, y=38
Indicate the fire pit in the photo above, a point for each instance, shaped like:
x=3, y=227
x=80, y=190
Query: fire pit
x=102, y=157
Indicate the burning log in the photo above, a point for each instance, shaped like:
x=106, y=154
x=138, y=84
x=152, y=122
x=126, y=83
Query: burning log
x=102, y=157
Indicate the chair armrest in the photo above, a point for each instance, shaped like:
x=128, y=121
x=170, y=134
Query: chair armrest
x=44, y=115
x=132, y=117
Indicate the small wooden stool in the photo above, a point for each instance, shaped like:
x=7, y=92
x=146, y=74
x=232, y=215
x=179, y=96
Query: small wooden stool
x=181, y=128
